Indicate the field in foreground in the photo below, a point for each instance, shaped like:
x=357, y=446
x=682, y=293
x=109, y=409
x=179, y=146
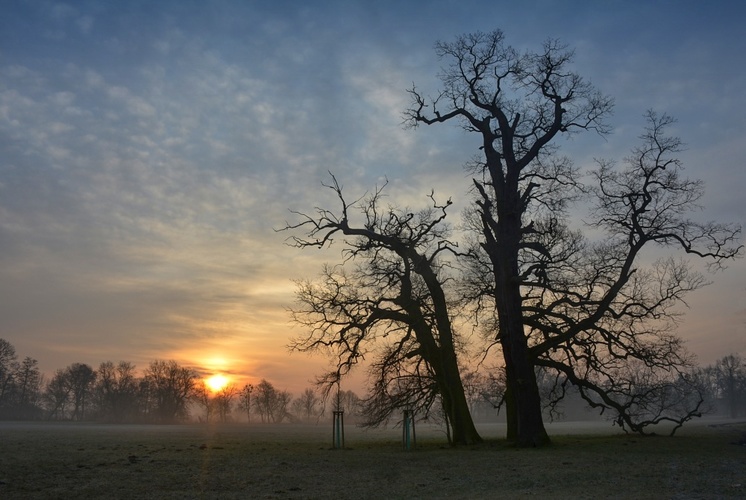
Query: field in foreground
x=96, y=461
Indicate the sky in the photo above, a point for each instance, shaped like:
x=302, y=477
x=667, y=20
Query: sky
x=150, y=150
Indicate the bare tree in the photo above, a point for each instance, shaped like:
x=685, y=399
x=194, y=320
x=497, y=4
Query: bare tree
x=116, y=392
x=8, y=366
x=223, y=400
x=202, y=395
x=556, y=299
x=57, y=395
x=27, y=389
x=390, y=291
x=731, y=380
x=609, y=323
x=73, y=385
x=168, y=387
x=352, y=404
x=706, y=379
x=244, y=402
x=307, y=406
x=271, y=404
x=82, y=378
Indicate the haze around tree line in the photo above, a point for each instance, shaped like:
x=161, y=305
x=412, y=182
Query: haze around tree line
x=166, y=392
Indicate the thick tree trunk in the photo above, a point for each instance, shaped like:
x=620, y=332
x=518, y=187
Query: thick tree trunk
x=511, y=413
x=521, y=378
x=463, y=430
x=523, y=402
x=443, y=360
x=444, y=364
x=530, y=423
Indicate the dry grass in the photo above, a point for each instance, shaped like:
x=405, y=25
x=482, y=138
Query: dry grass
x=105, y=461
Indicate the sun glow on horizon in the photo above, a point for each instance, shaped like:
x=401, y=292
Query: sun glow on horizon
x=217, y=382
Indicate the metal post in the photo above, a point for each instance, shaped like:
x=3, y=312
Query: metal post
x=409, y=438
x=338, y=430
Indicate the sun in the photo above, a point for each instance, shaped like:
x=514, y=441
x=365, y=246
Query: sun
x=217, y=382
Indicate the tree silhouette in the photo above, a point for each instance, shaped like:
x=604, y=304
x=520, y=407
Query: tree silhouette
x=556, y=298
x=390, y=291
x=168, y=387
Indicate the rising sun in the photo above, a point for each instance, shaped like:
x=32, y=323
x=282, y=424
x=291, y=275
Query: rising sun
x=217, y=382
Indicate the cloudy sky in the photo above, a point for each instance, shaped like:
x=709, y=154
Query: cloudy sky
x=149, y=149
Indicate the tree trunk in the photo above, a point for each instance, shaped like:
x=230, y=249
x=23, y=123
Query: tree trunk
x=452, y=388
x=442, y=358
x=445, y=368
x=530, y=431
x=521, y=378
x=464, y=432
x=523, y=402
x=511, y=414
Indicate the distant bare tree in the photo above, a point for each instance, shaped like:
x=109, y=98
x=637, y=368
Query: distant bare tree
x=476, y=384
x=74, y=386
x=223, y=401
x=8, y=367
x=57, y=395
x=202, y=395
x=492, y=387
x=706, y=378
x=82, y=378
x=731, y=380
x=116, y=392
x=168, y=386
x=244, y=402
x=27, y=389
x=271, y=404
x=307, y=406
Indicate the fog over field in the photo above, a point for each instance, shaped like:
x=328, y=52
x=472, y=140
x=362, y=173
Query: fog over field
x=42, y=460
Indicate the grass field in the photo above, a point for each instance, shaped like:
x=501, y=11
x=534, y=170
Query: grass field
x=190, y=461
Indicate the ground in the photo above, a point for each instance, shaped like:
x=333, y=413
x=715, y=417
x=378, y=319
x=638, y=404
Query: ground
x=68, y=460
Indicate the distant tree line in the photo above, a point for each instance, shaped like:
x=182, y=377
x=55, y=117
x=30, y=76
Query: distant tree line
x=165, y=392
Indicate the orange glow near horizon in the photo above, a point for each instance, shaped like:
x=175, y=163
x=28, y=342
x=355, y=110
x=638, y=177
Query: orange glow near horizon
x=245, y=361
x=217, y=382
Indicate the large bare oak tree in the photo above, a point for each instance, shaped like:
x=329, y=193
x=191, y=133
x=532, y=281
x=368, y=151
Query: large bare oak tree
x=559, y=300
